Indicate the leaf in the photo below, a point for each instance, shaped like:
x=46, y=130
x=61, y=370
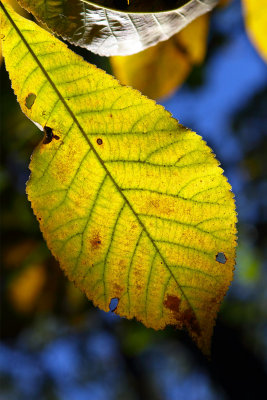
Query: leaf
x=28, y=277
x=25, y=288
x=132, y=204
x=159, y=70
x=255, y=13
x=107, y=31
x=19, y=10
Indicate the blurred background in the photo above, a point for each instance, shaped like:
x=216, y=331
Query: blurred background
x=55, y=345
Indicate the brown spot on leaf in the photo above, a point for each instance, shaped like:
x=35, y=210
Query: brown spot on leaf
x=49, y=135
x=117, y=289
x=212, y=304
x=186, y=317
x=133, y=226
x=138, y=272
x=95, y=241
x=172, y=303
x=160, y=206
x=154, y=203
x=99, y=141
x=122, y=264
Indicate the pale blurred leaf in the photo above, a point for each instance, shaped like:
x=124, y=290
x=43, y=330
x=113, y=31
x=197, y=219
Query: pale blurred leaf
x=159, y=70
x=107, y=31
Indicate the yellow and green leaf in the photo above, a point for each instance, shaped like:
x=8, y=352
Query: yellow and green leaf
x=255, y=14
x=159, y=70
x=132, y=204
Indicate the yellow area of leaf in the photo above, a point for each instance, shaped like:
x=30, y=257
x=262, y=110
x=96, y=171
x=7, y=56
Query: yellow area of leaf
x=19, y=10
x=159, y=70
x=255, y=14
x=132, y=204
x=25, y=288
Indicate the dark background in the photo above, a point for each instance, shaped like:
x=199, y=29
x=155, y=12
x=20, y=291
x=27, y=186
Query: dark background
x=56, y=345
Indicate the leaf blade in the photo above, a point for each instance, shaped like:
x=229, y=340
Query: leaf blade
x=110, y=32
x=121, y=189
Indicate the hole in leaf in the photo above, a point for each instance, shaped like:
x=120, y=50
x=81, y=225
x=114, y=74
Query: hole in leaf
x=99, y=141
x=49, y=135
x=30, y=99
x=220, y=257
x=113, y=304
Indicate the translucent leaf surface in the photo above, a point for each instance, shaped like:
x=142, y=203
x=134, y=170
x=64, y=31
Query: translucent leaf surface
x=107, y=31
x=132, y=204
x=159, y=70
x=255, y=13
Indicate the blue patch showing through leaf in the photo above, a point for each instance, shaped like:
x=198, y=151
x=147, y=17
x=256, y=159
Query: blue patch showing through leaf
x=220, y=257
x=113, y=304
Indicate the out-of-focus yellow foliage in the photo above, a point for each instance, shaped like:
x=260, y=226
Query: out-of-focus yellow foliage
x=74, y=297
x=28, y=275
x=255, y=14
x=132, y=204
x=193, y=39
x=159, y=70
x=25, y=288
x=223, y=3
x=18, y=253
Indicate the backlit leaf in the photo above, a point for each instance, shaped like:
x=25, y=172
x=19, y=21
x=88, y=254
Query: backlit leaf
x=255, y=13
x=132, y=204
x=106, y=30
x=159, y=70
